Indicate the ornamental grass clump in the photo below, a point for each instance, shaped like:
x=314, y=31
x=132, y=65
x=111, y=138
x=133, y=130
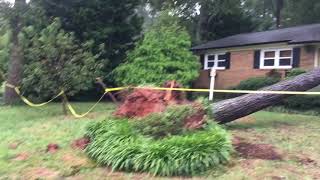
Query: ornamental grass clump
x=124, y=145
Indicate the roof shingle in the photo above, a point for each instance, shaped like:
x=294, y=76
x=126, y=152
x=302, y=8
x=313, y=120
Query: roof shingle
x=293, y=35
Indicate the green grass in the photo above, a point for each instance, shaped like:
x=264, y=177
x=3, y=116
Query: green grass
x=35, y=128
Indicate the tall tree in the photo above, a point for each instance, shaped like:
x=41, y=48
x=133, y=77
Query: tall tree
x=113, y=24
x=279, y=8
x=208, y=19
x=298, y=12
x=16, y=54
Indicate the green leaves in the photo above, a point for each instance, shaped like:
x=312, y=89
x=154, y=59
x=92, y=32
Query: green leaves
x=162, y=55
x=116, y=143
x=55, y=60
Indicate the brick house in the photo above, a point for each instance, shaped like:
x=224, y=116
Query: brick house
x=239, y=57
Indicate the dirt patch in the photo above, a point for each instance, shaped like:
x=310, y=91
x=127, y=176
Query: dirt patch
x=256, y=151
x=81, y=143
x=304, y=159
x=41, y=173
x=14, y=145
x=21, y=157
x=74, y=161
x=52, y=148
x=247, y=120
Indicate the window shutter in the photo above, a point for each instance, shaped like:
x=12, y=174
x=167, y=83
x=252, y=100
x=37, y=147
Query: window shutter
x=296, y=57
x=202, y=61
x=228, y=59
x=256, y=63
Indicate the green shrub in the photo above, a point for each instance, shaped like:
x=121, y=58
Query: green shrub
x=302, y=102
x=257, y=83
x=166, y=123
x=116, y=143
x=295, y=72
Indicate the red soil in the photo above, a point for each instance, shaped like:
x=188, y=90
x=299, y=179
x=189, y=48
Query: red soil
x=81, y=143
x=256, y=151
x=143, y=102
x=52, y=148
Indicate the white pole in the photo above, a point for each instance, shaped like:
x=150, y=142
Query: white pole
x=213, y=74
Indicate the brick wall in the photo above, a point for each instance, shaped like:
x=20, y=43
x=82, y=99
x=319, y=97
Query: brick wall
x=241, y=68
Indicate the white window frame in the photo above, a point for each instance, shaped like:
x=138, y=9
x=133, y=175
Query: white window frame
x=216, y=61
x=276, y=58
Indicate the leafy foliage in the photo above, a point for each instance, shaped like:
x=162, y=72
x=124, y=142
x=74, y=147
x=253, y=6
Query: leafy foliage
x=257, y=83
x=295, y=72
x=55, y=61
x=117, y=144
x=4, y=53
x=164, y=124
x=162, y=55
x=115, y=24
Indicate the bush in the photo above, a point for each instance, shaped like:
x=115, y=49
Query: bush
x=163, y=124
x=295, y=72
x=257, y=83
x=116, y=143
x=302, y=102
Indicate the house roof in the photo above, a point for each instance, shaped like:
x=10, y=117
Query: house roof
x=292, y=35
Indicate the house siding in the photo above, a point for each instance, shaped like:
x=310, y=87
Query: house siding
x=241, y=68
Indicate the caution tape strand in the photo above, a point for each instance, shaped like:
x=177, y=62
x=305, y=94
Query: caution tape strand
x=75, y=114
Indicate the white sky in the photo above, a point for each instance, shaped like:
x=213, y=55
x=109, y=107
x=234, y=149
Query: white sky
x=12, y=1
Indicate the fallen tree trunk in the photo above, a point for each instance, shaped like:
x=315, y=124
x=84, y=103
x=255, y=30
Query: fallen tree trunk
x=232, y=109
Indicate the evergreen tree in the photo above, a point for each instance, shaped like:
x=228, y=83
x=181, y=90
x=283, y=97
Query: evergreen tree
x=162, y=55
x=55, y=62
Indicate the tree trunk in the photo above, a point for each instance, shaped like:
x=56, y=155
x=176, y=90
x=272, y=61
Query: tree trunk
x=232, y=109
x=16, y=54
x=279, y=7
x=64, y=104
x=201, y=24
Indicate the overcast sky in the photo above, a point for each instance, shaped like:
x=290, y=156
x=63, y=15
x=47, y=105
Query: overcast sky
x=12, y=1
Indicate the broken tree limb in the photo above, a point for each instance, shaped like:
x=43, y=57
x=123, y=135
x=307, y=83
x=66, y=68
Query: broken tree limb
x=100, y=81
x=232, y=109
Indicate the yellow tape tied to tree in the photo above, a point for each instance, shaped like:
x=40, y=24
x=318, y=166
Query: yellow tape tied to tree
x=75, y=114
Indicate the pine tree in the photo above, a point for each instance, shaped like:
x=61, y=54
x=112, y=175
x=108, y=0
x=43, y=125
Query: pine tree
x=162, y=55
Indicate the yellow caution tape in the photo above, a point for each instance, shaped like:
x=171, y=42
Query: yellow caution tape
x=75, y=114
x=25, y=100
x=219, y=91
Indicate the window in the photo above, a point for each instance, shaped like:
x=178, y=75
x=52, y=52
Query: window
x=215, y=61
x=276, y=59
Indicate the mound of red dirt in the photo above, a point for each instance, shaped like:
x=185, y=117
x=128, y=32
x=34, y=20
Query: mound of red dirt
x=256, y=151
x=81, y=143
x=143, y=102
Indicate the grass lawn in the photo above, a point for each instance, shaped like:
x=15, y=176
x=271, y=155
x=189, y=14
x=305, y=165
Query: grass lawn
x=25, y=133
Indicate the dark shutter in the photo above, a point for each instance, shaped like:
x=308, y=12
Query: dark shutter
x=202, y=61
x=296, y=57
x=256, y=63
x=228, y=59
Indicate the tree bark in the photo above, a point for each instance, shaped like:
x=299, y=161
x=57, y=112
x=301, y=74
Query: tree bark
x=229, y=110
x=64, y=104
x=16, y=54
x=279, y=7
x=202, y=23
